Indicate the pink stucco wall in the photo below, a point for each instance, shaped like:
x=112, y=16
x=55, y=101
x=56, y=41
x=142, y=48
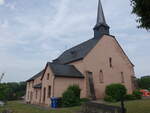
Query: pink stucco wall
x=98, y=59
x=33, y=95
x=62, y=83
x=45, y=84
x=29, y=91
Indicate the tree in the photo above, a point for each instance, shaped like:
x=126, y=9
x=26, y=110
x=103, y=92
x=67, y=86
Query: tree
x=12, y=91
x=142, y=9
x=144, y=82
x=4, y=91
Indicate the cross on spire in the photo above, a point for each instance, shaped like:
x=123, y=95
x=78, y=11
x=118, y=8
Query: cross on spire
x=101, y=27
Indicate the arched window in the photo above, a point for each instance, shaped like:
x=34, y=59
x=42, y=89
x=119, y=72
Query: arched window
x=101, y=77
x=31, y=95
x=47, y=76
x=36, y=94
x=49, y=92
x=28, y=95
x=122, y=77
x=110, y=62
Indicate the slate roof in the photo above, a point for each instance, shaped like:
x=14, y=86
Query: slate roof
x=36, y=76
x=59, y=65
x=38, y=85
x=78, y=52
x=65, y=70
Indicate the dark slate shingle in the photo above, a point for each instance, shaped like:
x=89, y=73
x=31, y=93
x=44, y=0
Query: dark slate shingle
x=36, y=76
x=64, y=70
x=78, y=52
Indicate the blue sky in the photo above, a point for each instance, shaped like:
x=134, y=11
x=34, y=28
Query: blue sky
x=33, y=32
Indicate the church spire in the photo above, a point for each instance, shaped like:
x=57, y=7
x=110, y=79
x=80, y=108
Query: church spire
x=101, y=27
x=100, y=14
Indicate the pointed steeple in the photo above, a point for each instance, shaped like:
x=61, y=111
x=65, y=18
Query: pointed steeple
x=100, y=14
x=101, y=27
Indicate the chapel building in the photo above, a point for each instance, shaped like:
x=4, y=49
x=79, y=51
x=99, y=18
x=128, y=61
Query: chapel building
x=92, y=65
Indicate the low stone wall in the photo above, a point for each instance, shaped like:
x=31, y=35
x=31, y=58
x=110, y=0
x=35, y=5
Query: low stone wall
x=91, y=107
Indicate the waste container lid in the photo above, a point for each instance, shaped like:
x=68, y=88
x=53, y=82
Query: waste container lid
x=54, y=98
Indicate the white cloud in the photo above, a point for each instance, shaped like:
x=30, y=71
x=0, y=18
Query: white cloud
x=4, y=24
x=2, y=2
x=11, y=6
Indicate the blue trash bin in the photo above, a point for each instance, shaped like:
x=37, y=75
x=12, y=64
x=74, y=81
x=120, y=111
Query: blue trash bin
x=54, y=102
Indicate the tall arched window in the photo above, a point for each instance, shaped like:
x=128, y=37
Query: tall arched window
x=110, y=62
x=122, y=77
x=28, y=95
x=47, y=76
x=36, y=94
x=49, y=92
x=101, y=77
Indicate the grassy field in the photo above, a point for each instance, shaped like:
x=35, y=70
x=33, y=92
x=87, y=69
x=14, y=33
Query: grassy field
x=139, y=106
x=18, y=107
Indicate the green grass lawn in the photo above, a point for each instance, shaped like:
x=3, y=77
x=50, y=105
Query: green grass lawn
x=18, y=107
x=138, y=106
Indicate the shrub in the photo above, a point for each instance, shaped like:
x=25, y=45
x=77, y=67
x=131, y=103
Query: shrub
x=108, y=99
x=71, y=97
x=76, y=90
x=116, y=91
x=137, y=94
x=130, y=97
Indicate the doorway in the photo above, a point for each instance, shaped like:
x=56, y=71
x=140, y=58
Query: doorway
x=90, y=84
x=44, y=94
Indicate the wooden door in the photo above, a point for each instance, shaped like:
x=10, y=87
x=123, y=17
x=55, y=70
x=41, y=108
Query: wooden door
x=91, y=85
x=44, y=94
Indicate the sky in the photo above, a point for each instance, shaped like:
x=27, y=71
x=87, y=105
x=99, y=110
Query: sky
x=33, y=32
